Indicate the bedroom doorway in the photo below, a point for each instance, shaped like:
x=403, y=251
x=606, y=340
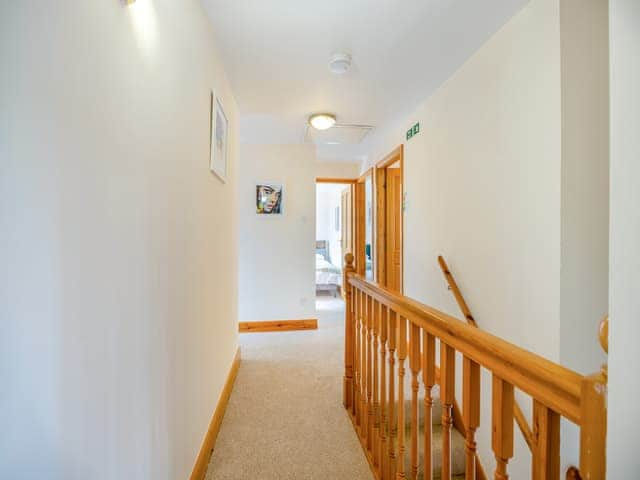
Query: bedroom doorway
x=334, y=233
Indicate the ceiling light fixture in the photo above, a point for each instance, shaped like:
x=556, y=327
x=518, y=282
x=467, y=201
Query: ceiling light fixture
x=322, y=121
x=339, y=63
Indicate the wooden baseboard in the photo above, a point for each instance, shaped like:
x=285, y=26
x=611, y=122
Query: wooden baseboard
x=202, y=462
x=278, y=325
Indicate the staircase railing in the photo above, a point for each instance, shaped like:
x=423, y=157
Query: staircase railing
x=525, y=429
x=383, y=329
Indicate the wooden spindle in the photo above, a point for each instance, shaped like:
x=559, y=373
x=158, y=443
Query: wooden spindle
x=363, y=366
x=391, y=403
x=364, y=420
x=593, y=431
x=429, y=380
x=414, y=364
x=546, y=443
x=356, y=356
x=447, y=397
x=376, y=386
x=402, y=355
x=384, y=425
x=369, y=374
x=349, y=340
x=502, y=425
x=360, y=362
x=470, y=412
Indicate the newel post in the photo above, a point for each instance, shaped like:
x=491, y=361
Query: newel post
x=593, y=432
x=349, y=338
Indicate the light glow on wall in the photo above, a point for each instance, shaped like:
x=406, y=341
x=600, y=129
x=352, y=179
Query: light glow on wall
x=143, y=20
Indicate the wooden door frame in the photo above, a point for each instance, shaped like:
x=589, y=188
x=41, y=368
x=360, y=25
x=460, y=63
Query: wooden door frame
x=336, y=180
x=360, y=237
x=381, y=215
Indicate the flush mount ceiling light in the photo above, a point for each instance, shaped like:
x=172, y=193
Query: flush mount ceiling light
x=339, y=63
x=322, y=121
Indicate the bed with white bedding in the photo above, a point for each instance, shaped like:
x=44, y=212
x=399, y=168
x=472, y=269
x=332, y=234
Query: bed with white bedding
x=328, y=275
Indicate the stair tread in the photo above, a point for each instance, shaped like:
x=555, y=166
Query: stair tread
x=436, y=411
x=457, y=451
x=457, y=439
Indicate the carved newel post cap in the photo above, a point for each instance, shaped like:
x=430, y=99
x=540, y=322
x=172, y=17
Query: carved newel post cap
x=603, y=333
x=348, y=260
x=573, y=474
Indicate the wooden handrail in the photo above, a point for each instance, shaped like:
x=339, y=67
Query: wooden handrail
x=518, y=414
x=383, y=326
x=556, y=386
x=453, y=286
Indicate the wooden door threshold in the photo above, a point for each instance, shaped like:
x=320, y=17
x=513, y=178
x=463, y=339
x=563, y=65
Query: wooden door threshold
x=278, y=325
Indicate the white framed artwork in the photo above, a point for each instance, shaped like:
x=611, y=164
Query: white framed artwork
x=218, y=138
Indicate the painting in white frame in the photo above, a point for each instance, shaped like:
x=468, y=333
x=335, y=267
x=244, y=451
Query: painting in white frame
x=219, y=138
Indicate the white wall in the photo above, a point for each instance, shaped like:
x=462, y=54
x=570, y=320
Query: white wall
x=482, y=183
x=337, y=169
x=118, y=246
x=584, y=275
x=623, y=461
x=488, y=184
x=276, y=252
x=584, y=204
x=328, y=197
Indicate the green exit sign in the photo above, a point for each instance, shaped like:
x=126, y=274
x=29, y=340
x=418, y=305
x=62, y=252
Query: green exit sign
x=413, y=131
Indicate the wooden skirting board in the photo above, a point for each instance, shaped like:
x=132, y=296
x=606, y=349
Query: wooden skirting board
x=278, y=325
x=209, y=442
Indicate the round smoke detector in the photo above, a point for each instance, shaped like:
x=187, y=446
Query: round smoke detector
x=339, y=63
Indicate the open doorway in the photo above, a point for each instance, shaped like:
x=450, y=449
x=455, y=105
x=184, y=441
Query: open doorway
x=334, y=234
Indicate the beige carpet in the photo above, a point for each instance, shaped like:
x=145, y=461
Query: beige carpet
x=285, y=418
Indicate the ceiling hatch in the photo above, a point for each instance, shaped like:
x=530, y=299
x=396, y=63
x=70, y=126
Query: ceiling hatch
x=338, y=135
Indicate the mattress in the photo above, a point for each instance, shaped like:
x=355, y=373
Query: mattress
x=327, y=273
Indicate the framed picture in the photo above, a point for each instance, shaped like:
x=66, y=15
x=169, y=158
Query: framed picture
x=219, y=138
x=268, y=199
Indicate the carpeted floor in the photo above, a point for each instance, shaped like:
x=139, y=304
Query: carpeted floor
x=285, y=418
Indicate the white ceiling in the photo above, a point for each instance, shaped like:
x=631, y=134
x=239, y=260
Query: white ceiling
x=276, y=54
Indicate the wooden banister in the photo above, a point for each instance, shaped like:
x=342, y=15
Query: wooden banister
x=347, y=390
x=556, y=386
x=388, y=330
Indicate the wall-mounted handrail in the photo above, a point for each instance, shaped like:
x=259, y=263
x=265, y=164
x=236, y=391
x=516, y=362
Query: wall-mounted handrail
x=453, y=286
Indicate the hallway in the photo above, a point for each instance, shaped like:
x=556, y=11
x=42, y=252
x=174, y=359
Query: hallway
x=285, y=418
x=174, y=174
